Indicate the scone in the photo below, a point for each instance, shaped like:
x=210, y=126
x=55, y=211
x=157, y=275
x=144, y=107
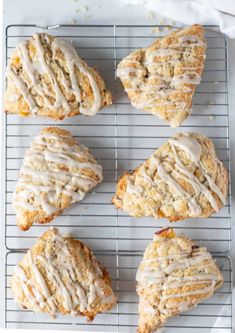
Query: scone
x=61, y=274
x=57, y=171
x=183, y=178
x=46, y=77
x=162, y=78
x=174, y=276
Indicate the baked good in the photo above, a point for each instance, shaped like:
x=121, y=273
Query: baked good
x=57, y=171
x=183, y=178
x=173, y=277
x=61, y=274
x=162, y=78
x=46, y=77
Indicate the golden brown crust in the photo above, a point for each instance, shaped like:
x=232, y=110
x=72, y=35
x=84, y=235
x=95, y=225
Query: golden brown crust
x=62, y=255
x=162, y=78
x=45, y=103
x=145, y=192
x=173, y=277
x=57, y=171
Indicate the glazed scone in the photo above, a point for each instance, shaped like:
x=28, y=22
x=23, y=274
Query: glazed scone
x=162, y=78
x=56, y=172
x=61, y=274
x=46, y=77
x=174, y=276
x=183, y=178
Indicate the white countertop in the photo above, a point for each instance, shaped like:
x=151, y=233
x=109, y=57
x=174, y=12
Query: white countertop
x=52, y=12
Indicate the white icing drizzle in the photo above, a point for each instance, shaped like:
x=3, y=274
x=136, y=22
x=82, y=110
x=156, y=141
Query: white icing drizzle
x=35, y=68
x=73, y=60
x=35, y=299
x=13, y=98
x=159, y=274
x=194, y=207
x=186, y=78
x=173, y=54
x=22, y=87
x=60, y=174
x=125, y=72
x=75, y=292
x=192, y=148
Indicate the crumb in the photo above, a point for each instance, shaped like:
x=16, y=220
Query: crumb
x=216, y=82
x=72, y=21
x=85, y=8
x=155, y=30
x=210, y=102
x=74, y=0
x=211, y=117
x=69, y=234
x=151, y=15
x=162, y=22
x=77, y=10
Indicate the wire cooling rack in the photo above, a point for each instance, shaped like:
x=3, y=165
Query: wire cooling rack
x=122, y=137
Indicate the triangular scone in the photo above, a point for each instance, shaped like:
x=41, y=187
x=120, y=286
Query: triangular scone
x=174, y=276
x=162, y=78
x=57, y=171
x=61, y=274
x=46, y=77
x=183, y=178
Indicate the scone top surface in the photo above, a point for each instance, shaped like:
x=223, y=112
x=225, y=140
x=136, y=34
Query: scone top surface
x=162, y=78
x=60, y=274
x=174, y=276
x=45, y=76
x=56, y=172
x=183, y=178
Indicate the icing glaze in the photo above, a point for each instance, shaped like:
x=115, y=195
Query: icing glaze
x=160, y=275
x=57, y=97
x=170, y=173
x=174, y=55
x=60, y=174
x=76, y=292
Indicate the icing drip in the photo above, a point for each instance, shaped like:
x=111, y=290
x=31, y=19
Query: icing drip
x=186, y=78
x=160, y=275
x=62, y=270
x=175, y=55
x=55, y=99
x=190, y=146
x=59, y=174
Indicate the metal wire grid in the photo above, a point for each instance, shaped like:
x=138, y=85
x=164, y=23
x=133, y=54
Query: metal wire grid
x=122, y=137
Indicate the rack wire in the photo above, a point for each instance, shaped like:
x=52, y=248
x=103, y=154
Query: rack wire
x=121, y=138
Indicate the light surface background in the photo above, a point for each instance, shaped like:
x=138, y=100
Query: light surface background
x=51, y=12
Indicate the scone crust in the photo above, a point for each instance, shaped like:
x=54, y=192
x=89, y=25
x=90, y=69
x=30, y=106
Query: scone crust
x=43, y=100
x=77, y=258
x=149, y=195
x=65, y=157
x=190, y=273
x=162, y=78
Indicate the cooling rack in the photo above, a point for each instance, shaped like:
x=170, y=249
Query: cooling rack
x=121, y=137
